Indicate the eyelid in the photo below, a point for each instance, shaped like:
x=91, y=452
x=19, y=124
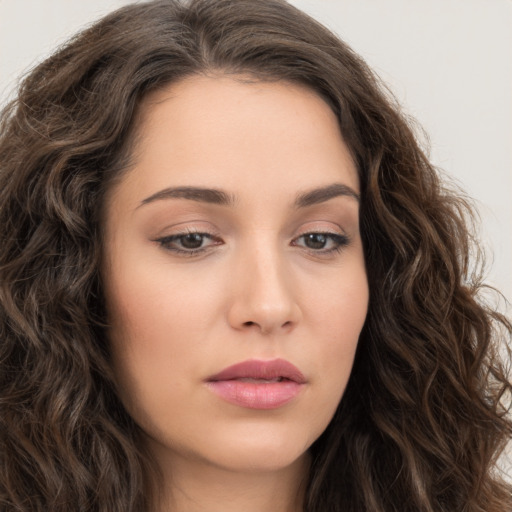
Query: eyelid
x=165, y=241
x=337, y=237
x=326, y=227
x=340, y=241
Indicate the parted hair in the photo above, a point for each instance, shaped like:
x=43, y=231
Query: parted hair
x=425, y=413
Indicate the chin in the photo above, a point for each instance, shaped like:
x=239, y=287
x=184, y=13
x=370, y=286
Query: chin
x=259, y=461
x=259, y=450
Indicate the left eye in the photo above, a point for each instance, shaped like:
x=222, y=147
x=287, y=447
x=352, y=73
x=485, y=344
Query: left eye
x=321, y=242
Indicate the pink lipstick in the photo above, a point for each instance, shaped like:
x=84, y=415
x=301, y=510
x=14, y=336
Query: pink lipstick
x=256, y=384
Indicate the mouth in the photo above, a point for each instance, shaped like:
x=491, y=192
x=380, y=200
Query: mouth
x=256, y=384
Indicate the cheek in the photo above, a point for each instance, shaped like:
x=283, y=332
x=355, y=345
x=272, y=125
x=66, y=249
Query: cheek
x=141, y=313
x=339, y=314
x=149, y=301
x=160, y=318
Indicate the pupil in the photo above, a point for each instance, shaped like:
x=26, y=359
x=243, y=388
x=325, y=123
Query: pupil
x=316, y=241
x=192, y=241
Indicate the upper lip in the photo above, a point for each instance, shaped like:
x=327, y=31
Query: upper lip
x=258, y=369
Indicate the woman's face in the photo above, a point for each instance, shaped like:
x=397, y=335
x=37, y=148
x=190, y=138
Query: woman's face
x=232, y=253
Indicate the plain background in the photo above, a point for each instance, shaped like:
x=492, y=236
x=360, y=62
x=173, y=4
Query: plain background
x=448, y=62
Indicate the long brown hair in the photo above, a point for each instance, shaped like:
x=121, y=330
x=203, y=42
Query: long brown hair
x=424, y=416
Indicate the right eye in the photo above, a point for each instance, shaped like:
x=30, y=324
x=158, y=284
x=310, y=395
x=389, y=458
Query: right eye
x=189, y=243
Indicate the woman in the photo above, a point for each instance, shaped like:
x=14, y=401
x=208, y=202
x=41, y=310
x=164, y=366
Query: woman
x=231, y=280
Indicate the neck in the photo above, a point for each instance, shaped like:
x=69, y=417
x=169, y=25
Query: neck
x=201, y=487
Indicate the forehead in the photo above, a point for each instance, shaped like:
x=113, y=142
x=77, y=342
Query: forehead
x=232, y=131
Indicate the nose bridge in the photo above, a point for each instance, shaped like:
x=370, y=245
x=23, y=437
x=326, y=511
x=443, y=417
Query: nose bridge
x=268, y=276
x=263, y=287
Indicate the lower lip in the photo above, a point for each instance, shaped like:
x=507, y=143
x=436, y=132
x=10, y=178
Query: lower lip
x=265, y=395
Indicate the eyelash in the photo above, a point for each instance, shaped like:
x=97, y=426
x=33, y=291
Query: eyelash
x=339, y=242
x=166, y=242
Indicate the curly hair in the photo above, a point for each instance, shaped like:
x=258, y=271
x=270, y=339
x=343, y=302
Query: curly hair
x=425, y=415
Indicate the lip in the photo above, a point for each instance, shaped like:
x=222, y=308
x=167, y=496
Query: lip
x=257, y=384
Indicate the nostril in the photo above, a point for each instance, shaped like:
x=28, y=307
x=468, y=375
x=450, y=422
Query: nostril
x=250, y=324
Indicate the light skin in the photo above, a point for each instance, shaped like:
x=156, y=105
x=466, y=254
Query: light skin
x=233, y=237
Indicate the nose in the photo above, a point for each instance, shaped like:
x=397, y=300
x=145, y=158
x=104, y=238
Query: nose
x=264, y=298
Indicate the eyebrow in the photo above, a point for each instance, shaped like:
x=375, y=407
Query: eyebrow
x=322, y=194
x=221, y=198
x=203, y=195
